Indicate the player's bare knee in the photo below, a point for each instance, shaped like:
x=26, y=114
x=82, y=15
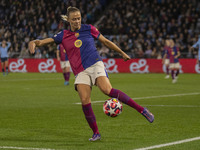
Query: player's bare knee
x=106, y=91
x=85, y=101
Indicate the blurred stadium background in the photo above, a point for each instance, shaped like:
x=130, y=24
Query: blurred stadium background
x=139, y=27
x=37, y=112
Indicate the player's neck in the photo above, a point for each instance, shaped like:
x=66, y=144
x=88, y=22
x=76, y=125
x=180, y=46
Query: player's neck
x=75, y=29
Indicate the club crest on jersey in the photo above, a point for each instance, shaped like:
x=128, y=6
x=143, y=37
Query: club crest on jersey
x=78, y=43
x=76, y=34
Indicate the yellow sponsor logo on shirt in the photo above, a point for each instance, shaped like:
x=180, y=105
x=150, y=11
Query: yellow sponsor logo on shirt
x=76, y=34
x=78, y=43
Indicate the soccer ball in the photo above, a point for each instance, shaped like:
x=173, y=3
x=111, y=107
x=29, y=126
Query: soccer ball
x=112, y=107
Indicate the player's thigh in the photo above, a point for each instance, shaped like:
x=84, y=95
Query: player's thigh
x=2, y=64
x=104, y=84
x=84, y=92
x=6, y=63
x=67, y=69
x=167, y=62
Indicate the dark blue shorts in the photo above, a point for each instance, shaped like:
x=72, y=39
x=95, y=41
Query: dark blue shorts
x=4, y=59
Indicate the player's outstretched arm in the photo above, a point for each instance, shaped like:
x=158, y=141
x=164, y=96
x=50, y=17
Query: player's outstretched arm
x=9, y=44
x=35, y=43
x=113, y=46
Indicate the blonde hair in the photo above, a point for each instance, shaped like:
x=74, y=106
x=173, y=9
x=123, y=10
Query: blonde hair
x=69, y=10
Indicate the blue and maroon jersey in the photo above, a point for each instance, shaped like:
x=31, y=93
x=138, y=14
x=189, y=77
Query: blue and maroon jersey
x=164, y=52
x=62, y=52
x=80, y=46
x=172, y=52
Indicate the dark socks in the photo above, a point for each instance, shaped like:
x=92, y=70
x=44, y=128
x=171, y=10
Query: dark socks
x=90, y=117
x=7, y=70
x=66, y=76
x=172, y=74
x=177, y=72
x=125, y=99
x=167, y=70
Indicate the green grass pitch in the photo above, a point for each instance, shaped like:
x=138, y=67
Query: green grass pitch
x=38, y=111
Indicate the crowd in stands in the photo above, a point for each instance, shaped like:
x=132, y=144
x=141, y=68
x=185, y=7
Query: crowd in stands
x=139, y=27
x=25, y=20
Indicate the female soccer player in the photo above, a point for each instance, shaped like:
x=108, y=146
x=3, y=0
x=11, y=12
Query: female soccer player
x=64, y=63
x=174, y=65
x=197, y=45
x=165, y=60
x=87, y=65
x=4, y=46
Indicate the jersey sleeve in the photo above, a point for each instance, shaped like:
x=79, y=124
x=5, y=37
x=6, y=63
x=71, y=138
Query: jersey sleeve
x=95, y=32
x=58, y=37
x=197, y=44
x=9, y=44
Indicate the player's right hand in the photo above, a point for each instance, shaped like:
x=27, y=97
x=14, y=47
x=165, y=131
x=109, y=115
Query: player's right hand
x=31, y=47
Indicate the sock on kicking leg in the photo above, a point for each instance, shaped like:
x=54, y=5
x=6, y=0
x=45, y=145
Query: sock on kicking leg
x=125, y=99
x=90, y=117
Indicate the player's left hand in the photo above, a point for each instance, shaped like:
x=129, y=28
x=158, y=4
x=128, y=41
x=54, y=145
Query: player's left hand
x=31, y=47
x=125, y=57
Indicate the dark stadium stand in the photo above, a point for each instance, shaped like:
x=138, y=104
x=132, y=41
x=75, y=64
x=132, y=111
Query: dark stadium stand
x=139, y=27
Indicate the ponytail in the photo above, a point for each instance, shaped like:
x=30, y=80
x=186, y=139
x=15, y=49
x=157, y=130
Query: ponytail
x=64, y=17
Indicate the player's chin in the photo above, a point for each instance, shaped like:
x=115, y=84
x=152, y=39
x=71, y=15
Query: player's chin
x=78, y=26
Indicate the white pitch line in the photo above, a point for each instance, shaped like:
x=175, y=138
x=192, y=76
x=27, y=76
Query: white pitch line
x=185, y=94
x=186, y=106
x=169, y=144
x=150, y=97
x=24, y=148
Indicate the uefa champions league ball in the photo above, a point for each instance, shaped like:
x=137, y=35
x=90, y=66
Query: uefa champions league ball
x=112, y=107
